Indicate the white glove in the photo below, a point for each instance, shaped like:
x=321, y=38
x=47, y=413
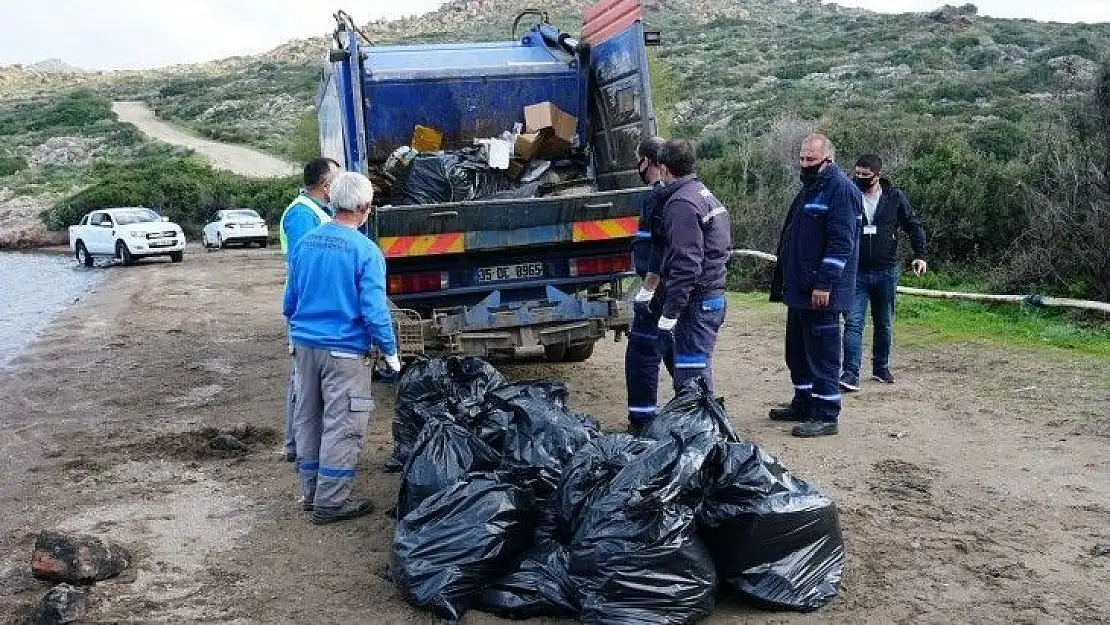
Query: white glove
x=643, y=296
x=394, y=362
x=667, y=324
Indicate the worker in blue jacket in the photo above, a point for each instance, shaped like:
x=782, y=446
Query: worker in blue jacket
x=645, y=349
x=335, y=303
x=815, y=277
x=309, y=210
x=695, y=234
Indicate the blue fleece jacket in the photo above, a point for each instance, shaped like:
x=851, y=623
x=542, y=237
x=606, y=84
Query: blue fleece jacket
x=335, y=294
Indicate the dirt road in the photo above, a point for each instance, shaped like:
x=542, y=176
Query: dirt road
x=233, y=158
x=972, y=491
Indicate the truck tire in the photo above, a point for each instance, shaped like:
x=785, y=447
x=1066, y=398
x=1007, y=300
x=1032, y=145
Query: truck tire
x=580, y=352
x=83, y=256
x=556, y=352
x=177, y=257
x=124, y=254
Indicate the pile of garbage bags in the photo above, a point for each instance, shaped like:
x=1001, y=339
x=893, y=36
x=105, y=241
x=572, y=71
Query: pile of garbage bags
x=513, y=504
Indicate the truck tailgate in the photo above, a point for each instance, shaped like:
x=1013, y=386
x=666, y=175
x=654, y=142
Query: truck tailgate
x=489, y=225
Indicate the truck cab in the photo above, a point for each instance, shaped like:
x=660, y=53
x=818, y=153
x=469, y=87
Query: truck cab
x=531, y=266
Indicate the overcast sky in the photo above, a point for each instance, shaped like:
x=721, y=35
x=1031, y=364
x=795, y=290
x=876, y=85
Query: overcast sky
x=119, y=34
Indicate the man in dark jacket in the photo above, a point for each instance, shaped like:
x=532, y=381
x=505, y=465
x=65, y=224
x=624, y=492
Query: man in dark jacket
x=885, y=209
x=694, y=232
x=815, y=277
x=645, y=349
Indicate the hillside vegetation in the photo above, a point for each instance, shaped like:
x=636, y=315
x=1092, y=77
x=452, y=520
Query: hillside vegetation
x=992, y=126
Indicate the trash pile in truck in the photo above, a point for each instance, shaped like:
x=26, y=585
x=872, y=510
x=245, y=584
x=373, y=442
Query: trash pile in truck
x=534, y=159
x=511, y=503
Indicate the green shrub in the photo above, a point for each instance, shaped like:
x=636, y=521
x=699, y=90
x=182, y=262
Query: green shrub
x=11, y=164
x=1000, y=139
x=187, y=190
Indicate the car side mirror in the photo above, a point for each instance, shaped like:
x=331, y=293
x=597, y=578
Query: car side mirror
x=164, y=218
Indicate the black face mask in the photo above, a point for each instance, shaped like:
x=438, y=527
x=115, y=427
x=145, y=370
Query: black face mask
x=864, y=184
x=810, y=173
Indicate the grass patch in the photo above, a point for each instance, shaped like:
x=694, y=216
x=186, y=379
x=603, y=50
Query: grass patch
x=920, y=321
x=924, y=322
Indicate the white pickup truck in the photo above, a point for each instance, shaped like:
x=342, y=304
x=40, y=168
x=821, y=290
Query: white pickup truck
x=126, y=234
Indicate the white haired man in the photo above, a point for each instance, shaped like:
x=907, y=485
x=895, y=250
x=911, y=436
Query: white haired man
x=337, y=310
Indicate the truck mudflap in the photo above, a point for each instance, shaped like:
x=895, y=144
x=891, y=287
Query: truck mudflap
x=493, y=326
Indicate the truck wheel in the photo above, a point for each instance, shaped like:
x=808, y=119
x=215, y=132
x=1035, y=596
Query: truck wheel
x=124, y=254
x=219, y=240
x=555, y=353
x=83, y=256
x=264, y=242
x=177, y=257
x=580, y=352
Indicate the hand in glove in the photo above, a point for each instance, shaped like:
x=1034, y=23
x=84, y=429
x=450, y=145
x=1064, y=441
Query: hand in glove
x=643, y=296
x=667, y=324
x=394, y=362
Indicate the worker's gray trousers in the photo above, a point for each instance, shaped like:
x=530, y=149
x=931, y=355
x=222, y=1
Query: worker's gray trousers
x=332, y=411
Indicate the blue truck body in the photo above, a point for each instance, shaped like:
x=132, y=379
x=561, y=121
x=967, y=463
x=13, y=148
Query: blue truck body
x=500, y=275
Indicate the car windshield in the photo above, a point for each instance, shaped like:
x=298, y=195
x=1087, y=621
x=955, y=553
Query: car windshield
x=136, y=216
x=244, y=214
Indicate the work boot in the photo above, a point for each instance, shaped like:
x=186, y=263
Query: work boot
x=884, y=375
x=637, y=427
x=849, y=382
x=811, y=429
x=350, y=510
x=788, y=413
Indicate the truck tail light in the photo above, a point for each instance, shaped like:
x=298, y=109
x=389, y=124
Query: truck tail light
x=598, y=265
x=416, y=282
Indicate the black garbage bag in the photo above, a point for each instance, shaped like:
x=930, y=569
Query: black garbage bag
x=444, y=453
x=588, y=474
x=637, y=558
x=774, y=538
x=542, y=434
x=447, y=550
x=468, y=380
x=436, y=387
x=539, y=586
x=429, y=180
x=692, y=411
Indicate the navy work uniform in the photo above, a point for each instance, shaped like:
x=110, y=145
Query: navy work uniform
x=695, y=233
x=818, y=250
x=645, y=349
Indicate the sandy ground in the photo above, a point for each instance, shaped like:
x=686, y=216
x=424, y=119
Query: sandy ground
x=973, y=491
x=233, y=158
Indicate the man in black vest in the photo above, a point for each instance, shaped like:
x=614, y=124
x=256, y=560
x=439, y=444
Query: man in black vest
x=885, y=209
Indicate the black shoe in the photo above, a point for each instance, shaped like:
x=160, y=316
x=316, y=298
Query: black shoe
x=350, y=510
x=636, y=428
x=290, y=456
x=849, y=382
x=811, y=429
x=883, y=375
x=789, y=413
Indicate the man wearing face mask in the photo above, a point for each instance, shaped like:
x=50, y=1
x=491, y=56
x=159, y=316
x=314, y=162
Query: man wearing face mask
x=645, y=350
x=815, y=277
x=336, y=306
x=309, y=210
x=693, y=230
x=885, y=208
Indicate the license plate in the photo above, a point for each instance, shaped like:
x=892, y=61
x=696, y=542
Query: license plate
x=163, y=244
x=522, y=271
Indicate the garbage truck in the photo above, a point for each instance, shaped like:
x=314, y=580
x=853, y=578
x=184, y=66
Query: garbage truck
x=508, y=230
